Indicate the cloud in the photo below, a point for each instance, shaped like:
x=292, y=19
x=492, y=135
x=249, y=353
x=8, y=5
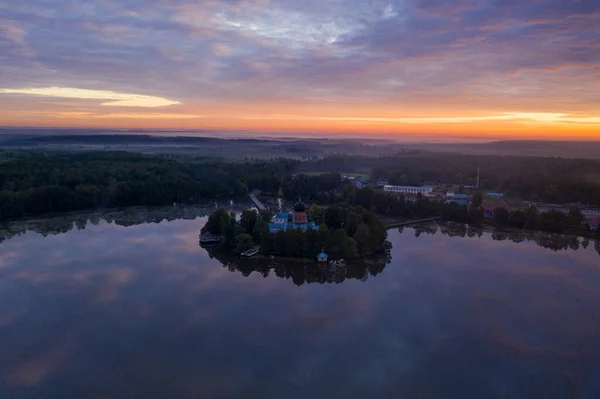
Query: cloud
x=515, y=116
x=117, y=99
x=491, y=56
x=137, y=115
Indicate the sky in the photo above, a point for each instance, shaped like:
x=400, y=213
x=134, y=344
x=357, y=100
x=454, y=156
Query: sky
x=398, y=68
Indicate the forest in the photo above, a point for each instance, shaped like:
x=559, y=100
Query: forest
x=343, y=232
x=34, y=183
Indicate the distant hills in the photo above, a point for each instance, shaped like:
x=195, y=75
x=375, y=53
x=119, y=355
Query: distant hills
x=264, y=147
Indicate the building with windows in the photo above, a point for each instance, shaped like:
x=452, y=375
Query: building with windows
x=299, y=218
x=409, y=190
x=590, y=213
x=587, y=213
x=280, y=218
x=459, y=201
x=458, y=196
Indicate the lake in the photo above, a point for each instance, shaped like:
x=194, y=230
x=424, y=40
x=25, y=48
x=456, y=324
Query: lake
x=103, y=309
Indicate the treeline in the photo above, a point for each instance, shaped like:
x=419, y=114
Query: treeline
x=545, y=179
x=342, y=232
x=322, y=188
x=552, y=221
x=397, y=207
x=38, y=182
x=555, y=180
x=555, y=242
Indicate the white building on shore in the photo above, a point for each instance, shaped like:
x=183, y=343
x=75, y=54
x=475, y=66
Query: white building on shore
x=426, y=191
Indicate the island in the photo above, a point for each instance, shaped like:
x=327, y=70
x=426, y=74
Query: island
x=303, y=232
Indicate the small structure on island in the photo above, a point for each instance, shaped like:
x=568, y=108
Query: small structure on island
x=322, y=257
x=250, y=252
x=299, y=218
x=209, y=238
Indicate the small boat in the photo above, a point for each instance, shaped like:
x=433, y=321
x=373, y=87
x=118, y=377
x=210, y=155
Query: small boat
x=250, y=252
x=209, y=238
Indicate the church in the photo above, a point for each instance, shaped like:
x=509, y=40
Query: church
x=298, y=219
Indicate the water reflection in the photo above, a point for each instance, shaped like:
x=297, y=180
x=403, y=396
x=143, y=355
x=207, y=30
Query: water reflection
x=60, y=224
x=301, y=273
x=555, y=242
x=98, y=310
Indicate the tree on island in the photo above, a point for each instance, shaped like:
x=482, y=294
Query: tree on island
x=248, y=219
x=244, y=242
x=365, y=235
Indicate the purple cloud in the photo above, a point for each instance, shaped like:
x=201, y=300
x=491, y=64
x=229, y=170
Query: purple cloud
x=383, y=50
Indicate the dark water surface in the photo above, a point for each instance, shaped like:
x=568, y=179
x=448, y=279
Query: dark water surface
x=143, y=312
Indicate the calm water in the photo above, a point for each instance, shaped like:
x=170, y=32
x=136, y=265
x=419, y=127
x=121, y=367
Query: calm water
x=143, y=312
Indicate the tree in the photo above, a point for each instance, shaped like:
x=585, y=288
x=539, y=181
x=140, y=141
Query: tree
x=518, y=219
x=364, y=197
x=228, y=228
x=381, y=202
x=531, y=216
x=213, y=225
x=553, y=221
x=265, y=240
x=323, y=235
x=398, y=206
x=477, y=200
x=333, y=217
x=501, y=216
x=316, y=214
x=248, y=219
x=259, y=227
x=244, y=242
x=337, y=243
x=575, y=217
x=350, y=248
x=475, y=215
x=351, y=223
x=362, y=238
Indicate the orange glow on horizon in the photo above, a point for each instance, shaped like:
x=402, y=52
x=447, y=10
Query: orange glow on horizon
x=451, y=119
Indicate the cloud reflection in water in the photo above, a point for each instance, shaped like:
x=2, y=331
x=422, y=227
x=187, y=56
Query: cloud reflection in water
x=96, y=311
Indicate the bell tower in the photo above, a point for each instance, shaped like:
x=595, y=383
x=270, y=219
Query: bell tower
x=300, y=212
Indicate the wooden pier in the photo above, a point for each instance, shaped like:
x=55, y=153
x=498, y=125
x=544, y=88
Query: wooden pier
x=409, y=222
x=258, y=204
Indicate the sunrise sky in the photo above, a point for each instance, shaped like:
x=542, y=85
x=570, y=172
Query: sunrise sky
x=397, y=68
